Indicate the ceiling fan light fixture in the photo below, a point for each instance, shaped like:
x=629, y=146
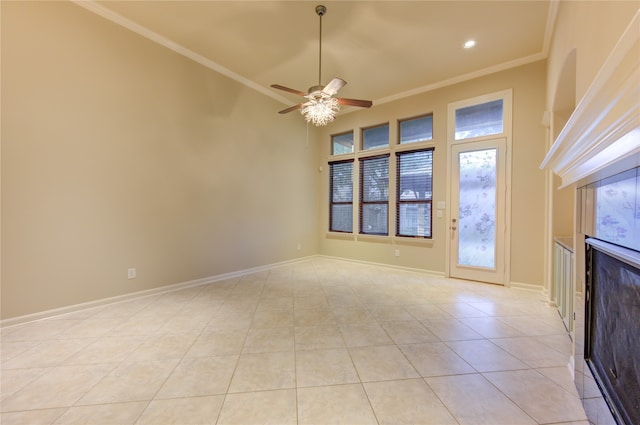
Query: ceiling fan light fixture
x=321, y=106
x=321, y=109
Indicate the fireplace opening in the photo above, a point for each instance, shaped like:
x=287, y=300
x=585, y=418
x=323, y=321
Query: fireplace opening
x=612, y=328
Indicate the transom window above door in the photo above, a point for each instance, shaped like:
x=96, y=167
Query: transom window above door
x=484, y=119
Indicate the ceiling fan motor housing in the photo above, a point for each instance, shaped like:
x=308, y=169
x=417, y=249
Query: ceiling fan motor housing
x=315, y=89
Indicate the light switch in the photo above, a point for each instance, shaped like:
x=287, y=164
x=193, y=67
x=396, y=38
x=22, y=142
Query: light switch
x=441, y=205
x=439, y=213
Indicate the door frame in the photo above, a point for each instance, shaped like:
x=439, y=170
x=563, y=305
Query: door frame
x=490, y=275
x=506, y=96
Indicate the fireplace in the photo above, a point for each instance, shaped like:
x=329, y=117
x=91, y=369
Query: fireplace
x=612, y=326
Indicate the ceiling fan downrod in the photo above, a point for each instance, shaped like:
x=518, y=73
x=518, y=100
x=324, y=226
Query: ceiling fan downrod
x=320, y=11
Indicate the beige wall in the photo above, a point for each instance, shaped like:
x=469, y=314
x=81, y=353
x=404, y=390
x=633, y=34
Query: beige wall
x=119, y=153
x=592, y=28
x=528, y=84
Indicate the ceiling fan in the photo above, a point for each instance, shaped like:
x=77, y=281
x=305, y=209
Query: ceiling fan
x=321, y=106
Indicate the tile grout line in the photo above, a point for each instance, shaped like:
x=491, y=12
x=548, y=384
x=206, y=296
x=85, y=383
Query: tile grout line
x=235, y=368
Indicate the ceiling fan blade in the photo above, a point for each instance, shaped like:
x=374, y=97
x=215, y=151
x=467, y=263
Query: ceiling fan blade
x=355, y=102
x=294, y=91
x=333, y=86
x=293, y=108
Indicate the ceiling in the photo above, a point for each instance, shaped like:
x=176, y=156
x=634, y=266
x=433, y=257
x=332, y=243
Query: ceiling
x=385, y=50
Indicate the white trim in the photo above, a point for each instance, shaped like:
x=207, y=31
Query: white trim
x=110, y=15
x=527, y=286
x=552, y=15
x=462, y=78
x=142, y=294
x=116, y=18
x=391, y=266
x=14, y=321
x=188, y=284
x=605, y=126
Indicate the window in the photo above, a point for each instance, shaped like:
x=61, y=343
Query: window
x=375, y=137
x=370, y=162
x=341, y=196
x=414, y=175
x=374, y=195
x=342, y=143
x=417, y=129
x=483, y=119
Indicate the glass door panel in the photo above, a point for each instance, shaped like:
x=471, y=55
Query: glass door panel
x=477, y=208
x=478, y=230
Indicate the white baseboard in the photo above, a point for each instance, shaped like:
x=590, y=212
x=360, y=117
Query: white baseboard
x=528, y=286
x=212, y=279
x=547, y=296
x=141, y=294
x=391, y=266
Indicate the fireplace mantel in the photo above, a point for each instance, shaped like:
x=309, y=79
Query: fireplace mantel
x=605, y=126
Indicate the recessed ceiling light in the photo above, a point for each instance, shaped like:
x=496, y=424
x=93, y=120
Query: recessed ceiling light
x=469, y=44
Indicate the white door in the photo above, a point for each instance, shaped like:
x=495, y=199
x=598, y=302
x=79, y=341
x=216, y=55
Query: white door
x=478, y=211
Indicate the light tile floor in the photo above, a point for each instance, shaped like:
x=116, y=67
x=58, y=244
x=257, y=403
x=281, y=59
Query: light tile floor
x=317, y=342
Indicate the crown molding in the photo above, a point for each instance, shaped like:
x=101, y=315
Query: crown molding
x=116, y=18
x=552, y=15
x=93, y=6
x=464, y=77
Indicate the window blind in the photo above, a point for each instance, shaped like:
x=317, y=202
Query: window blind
x=414, y=180
x=374, y=195
x=341, y=196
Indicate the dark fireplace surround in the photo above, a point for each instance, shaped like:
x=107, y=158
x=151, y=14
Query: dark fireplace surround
x=612, y=326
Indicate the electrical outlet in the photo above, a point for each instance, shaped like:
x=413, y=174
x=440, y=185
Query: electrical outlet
x=131, y=273
x=397, y=252
x=299, y=246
